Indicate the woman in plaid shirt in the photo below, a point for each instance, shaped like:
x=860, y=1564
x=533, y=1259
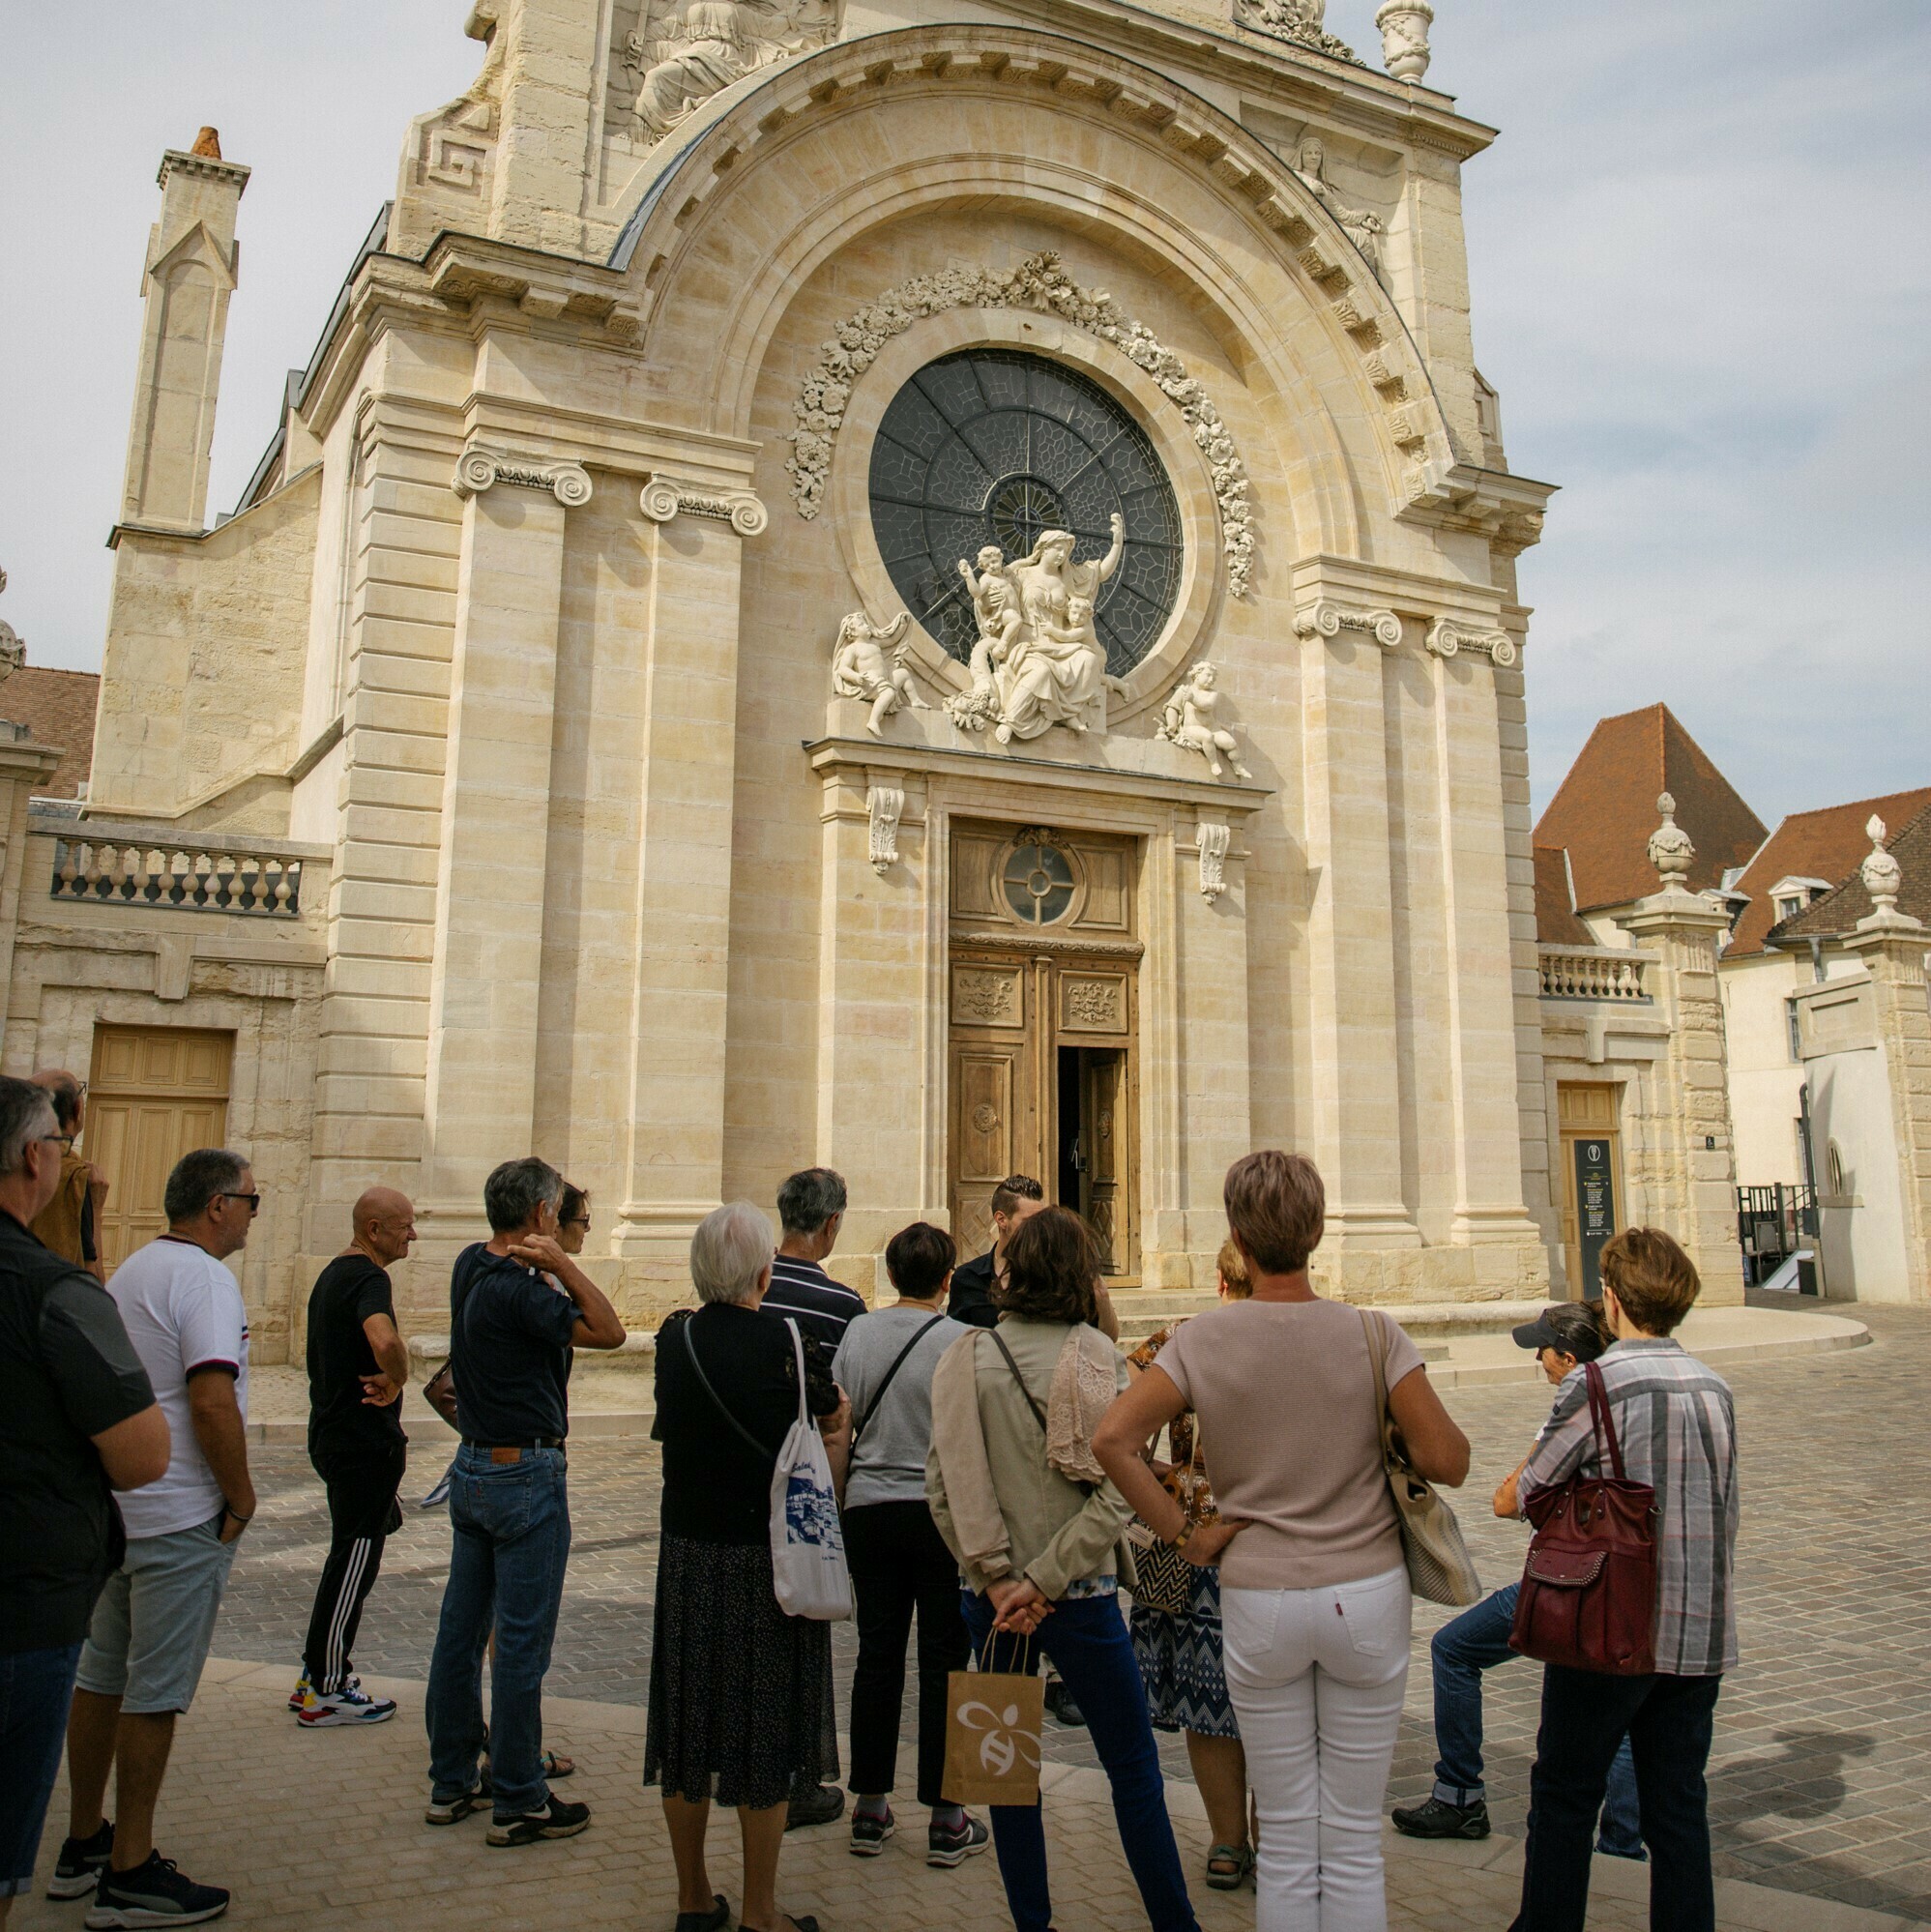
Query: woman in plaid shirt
x=1677, y=1427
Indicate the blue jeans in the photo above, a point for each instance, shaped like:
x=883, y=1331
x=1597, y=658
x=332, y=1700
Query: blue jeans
x=511, y=1524
x=1085, y=1639
x=36, y=1688
x=1475, y=1640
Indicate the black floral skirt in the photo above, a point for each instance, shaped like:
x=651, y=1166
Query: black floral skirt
x=741, y=1694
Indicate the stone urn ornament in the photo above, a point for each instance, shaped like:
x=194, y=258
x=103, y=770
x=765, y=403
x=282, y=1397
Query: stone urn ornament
x=1404, y=37
x=1881, y=875
x=1670, y=849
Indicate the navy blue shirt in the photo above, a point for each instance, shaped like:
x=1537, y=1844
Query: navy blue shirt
x=509, y=1336
x=971, y=1299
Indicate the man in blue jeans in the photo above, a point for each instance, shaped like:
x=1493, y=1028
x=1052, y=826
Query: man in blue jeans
x=1477, y=1640
x=518, y=1305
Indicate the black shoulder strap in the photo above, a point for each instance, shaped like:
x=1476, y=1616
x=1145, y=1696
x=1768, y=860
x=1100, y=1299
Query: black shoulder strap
x=1038, y=1414
x=871, y=1409
x=763, y=1453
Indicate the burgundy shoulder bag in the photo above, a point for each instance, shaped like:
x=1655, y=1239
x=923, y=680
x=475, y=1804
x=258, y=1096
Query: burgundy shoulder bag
x=1589, y=1589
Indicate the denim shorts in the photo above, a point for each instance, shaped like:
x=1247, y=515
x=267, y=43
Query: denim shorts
x=36, y=1688
x=156, y=1618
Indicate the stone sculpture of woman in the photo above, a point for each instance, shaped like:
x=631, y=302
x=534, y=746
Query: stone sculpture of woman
x=1055, y=671
x=1362, y=229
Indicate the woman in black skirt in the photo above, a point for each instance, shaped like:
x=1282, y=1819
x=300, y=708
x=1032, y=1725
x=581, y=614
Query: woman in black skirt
x=741, y=1694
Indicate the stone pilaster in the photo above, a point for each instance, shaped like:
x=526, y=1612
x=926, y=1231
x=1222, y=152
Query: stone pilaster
x=1892, y=946
x=675, y=1171
x=1690, y=1156
x=1481, y=1045
x=480, y=1101
x=1353, y=1038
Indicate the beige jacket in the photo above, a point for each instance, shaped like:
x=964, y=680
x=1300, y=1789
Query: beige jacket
x=1002, y=1510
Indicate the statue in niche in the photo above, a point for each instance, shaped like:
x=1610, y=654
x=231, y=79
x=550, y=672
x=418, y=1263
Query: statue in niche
x=860, y=668
x=1038, y=661
x=1364, y=229
x=1188, y=720
x=690, y=49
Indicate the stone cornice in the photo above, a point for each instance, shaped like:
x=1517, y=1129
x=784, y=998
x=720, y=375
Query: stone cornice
x=177, y=161
x=1507, y=509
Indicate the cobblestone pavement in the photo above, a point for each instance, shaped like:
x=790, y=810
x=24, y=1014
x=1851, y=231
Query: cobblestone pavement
x=1822, y=1753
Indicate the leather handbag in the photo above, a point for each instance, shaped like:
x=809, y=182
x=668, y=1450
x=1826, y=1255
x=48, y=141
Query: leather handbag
x=1438, y=1564
x=1165, y=1578
x=1589, y=1589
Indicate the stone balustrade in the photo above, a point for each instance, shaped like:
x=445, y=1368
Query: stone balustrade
x=117, y=865
x=1594, y=973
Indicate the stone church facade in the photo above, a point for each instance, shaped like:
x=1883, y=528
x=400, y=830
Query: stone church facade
x=926, y=589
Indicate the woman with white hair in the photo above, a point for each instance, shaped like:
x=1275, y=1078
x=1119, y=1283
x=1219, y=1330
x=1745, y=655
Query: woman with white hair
x=741, y=1694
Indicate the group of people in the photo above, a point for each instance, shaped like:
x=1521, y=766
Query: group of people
x=1002, y=1471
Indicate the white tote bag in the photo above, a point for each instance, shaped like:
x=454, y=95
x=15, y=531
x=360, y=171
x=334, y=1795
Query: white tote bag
x=807, y=1544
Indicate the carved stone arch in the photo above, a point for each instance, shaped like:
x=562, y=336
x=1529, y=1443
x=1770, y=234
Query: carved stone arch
x=1285, y=235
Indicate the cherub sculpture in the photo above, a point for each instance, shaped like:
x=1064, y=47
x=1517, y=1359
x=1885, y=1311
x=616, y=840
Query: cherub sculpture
x=860, y=668
x=1188, y=720
x=995, y=606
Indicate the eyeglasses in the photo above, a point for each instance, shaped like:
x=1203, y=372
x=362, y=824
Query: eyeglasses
x=65, y=1140
x=576, y=1220
x=254, y=1200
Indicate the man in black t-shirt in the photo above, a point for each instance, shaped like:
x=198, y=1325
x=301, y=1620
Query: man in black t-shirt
x=357, y=1367
x=1015, y=1198
x=77, y=1420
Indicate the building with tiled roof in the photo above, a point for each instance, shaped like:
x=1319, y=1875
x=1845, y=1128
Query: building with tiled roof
x=57, y=708
x=1604, y=811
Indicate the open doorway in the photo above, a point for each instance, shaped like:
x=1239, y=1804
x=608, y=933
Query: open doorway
x=1092, y=1158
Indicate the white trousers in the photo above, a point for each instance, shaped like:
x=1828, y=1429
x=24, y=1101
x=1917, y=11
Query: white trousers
x=1316, y=1678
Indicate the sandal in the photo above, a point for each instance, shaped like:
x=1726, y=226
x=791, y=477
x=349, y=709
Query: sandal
x=713, y=1920
x=1228, y=1866
x=550, y=1764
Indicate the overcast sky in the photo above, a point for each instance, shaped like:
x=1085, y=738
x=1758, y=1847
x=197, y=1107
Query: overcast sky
x=1701, y=257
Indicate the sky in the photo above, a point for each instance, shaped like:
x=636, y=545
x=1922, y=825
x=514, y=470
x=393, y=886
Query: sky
x=1701, y=268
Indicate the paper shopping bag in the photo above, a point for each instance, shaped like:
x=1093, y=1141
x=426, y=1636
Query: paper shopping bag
x=993, y=1720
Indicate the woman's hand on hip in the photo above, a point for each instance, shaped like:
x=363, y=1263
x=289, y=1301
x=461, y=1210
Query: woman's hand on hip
x=1206, y=1543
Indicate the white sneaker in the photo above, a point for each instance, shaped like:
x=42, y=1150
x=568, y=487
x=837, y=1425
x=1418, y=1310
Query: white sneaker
x=350, y=1704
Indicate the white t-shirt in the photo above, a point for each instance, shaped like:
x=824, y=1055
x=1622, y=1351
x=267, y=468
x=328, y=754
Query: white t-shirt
x=183, y=1308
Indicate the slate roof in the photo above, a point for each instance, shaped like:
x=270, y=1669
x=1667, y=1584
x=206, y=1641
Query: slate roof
x=1556, y=921
x=57, y=708
x=1606, y=810
x=1827, y=844
x=1840, y=910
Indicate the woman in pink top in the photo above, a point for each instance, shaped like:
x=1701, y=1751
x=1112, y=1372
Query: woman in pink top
x=1314, y=1593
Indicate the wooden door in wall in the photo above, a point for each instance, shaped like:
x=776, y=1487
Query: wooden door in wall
x=1044, y=992
x=153, y=1094
x=1587, y=1115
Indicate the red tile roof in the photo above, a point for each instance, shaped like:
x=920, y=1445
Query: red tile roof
x=57, y=707
x=1556, y=921
x=1836, y=842
x=1606, y=810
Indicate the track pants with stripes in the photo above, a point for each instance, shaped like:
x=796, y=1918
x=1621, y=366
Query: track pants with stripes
x=362, y=1512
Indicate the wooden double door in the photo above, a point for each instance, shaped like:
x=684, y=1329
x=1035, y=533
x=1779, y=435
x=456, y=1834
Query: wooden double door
x=1044, y=985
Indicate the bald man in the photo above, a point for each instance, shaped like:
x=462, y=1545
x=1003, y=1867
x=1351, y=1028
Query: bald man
x=357, y=1367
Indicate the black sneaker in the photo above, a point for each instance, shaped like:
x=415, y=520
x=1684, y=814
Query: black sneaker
x=80, y=1863
x=453, y=1810
x=870, y=1833
x=1438, y=1819
x=558, y=1819
x=816, y=1804
x=953, y=1848
x=155, y=1893
x=1059, y=1701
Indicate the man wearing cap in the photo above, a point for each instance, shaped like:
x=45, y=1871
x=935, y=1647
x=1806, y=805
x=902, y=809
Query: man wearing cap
x=1563, y=1336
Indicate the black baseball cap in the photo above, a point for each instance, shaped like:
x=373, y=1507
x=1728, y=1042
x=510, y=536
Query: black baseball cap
x=1541, y=1334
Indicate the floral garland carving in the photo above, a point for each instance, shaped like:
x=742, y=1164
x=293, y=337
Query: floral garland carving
x=1038, y=283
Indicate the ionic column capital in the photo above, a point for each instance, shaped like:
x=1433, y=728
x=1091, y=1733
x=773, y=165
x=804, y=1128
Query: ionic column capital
x=1324, y=618
x=667, y=496
x=1446, y=638
x=480, y=469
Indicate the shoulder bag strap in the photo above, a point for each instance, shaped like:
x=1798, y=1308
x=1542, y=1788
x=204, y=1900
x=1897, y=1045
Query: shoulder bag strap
x=872, y=1408
x=1038, y=1414
x=798, y=1352
x=704, y=1383
x=1377, y=1341
x=1602, y=1422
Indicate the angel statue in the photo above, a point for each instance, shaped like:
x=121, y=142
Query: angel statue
x=1188, y=720
x=862, y=669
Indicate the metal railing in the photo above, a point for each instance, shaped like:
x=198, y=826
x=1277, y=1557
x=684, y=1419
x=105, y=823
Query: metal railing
x=124, y=868
x=1775, y=1223
x=1593, y=972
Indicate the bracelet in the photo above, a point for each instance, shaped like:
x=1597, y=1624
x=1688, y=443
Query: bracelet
x=236, y=1515
x=1186, y=1530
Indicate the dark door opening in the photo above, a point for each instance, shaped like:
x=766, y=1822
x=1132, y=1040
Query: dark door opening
x=1091, y=1144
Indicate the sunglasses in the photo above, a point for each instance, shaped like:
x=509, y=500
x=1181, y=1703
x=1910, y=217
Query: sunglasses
x=254, y=1200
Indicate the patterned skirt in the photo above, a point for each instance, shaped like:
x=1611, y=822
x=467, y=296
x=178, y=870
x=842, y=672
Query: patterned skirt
x=1179, y=1663
x=741, y=1694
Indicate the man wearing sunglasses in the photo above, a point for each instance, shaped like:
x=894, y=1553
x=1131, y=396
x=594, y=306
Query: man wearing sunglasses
x=155, y=1617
